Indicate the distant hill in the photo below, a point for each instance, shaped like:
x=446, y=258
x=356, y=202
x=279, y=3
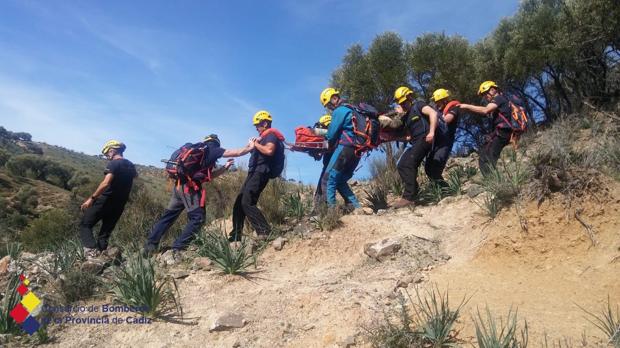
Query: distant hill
x=38, y=177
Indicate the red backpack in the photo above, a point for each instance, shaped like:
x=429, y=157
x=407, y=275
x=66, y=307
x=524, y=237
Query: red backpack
x=190, y=166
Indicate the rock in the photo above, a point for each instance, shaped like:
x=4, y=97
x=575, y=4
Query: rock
x=228, y=321
x=348, y=342
x=474, y=190
x=4, y=264
x=92, y=267
x=169, y=258
x=28, y=256
x=404, y=282
x=354, y=183
x=113, y=253
x=278, y=243
x=383, y=248
x=202, y=263
x=302, y=229
x=381, y=212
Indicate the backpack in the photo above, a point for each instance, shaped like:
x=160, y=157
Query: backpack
x=366, y=128
x=190, y=164
x=518, y=119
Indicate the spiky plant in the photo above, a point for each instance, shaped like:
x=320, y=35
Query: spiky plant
x=231, y=258
x=139, y=285
x=503, y=334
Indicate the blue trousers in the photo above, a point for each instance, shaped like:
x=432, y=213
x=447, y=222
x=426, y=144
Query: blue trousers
x=179, y=201
x=338, y=172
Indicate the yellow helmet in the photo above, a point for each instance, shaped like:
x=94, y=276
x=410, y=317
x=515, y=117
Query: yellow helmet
x=113, y=144
x=262, y=116
x=327, y=95
x=401, y=94
x=325, y=120
x=485, y=86
x=440, y=94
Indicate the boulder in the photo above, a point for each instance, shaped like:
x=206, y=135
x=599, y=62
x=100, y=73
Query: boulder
x=202, y=263
x=228, y=321
x=4, y=264
x=386, y=247
x=278, y=243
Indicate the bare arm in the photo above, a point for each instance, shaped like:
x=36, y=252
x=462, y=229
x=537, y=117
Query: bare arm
x=105, y=183
x=432, y=116
x=268, y=149
x=237, y=152
x=107, y=180
x=484, y=110
x=221, y=170
x=449, y=117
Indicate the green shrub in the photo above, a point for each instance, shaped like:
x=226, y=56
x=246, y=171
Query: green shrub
x=4, y=157
x=326, y=219
x=435, y=318
x=137, y=284
x=384, y=172
x=232, y=259
x=48, y=230
x=376, y=196
x=294, y=205
x=66, y=254
x=141, y=212
x=505, y=334
x=40, y=168
x=431, y=192
x=79, y=285
x=505, y=182
x=222, y=192
x=9, y=301
x=426, y=320
x=608, y=321
x=26, y=200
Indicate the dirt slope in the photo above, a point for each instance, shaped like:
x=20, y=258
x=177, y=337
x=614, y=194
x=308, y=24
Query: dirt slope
x=322, y=289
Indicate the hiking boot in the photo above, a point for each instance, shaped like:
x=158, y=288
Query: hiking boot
x=402, y=203
x=234, y=237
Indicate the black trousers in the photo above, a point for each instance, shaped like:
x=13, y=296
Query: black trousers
x=245, y=205
x=437, y=159
x=409, y=163
x=106, y=210
x=489, y=152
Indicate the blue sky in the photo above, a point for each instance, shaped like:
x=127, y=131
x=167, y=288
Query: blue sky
x=156, y=74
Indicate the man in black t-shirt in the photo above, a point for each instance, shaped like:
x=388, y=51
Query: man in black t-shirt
x=266, y=162
x=497, y=104
x=450, y=113
x=188, y=196
x=107, y=203
x=421, y=121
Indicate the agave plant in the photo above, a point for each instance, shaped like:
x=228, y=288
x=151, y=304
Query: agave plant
x=137, y=284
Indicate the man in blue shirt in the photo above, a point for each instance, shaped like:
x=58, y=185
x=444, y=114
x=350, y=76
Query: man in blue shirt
x=344, y=160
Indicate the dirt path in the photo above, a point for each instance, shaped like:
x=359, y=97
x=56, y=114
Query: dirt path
x=321, y=290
